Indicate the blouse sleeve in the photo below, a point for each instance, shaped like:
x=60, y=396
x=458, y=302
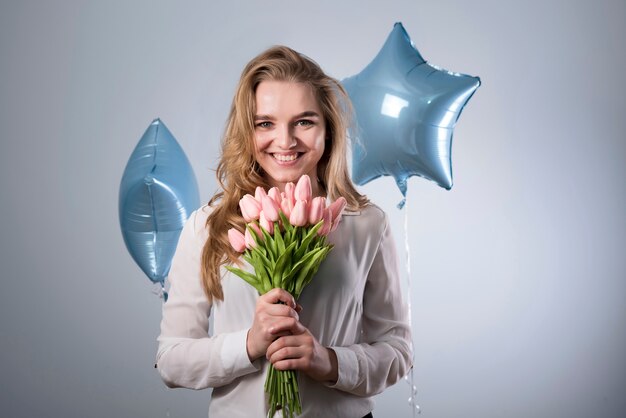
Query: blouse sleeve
x=187, y=356
x=385, y=355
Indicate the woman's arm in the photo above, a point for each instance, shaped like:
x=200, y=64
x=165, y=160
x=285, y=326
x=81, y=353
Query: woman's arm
x=187, y=356
x=385, y=355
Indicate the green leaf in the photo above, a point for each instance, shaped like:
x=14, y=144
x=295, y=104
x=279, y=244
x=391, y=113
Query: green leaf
x=279, y=239
x=261, y=252
x=270, y=245
x=288, y=227
x=306, y=241
x=263, y=270
x=281, y=265
x=296, y=268
x=307, y=272
x=250, y=278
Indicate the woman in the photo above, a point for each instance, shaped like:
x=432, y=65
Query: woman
x=348, y=335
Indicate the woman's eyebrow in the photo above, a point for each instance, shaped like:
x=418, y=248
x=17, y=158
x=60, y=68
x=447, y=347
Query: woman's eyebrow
x=263, y=117
x=307, y=114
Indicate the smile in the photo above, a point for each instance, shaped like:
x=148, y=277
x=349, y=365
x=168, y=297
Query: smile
x=286, y=157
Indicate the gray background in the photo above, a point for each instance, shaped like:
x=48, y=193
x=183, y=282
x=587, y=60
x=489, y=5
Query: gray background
x=518, y=284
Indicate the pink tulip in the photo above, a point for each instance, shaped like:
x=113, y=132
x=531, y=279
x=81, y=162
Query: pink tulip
x=299, y=214
x=274, y=193
x=259, y=193
x=250, y=243
x=337, y=208
x=237, y=240
x=286, y=206
x=256, y=229
x=266, y=223
x=328, y=219
x=316, y=210
x=270, y=208
x=290, y=193
x=250, y=208
x=303, y=189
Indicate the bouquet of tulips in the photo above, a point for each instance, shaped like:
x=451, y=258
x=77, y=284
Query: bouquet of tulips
x=285, y=242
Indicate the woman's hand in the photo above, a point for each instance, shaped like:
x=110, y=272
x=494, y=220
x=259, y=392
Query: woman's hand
x=300, y=350
x=271, y=320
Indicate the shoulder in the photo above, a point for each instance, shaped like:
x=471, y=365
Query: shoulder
x=371, y=214
x=370, y=222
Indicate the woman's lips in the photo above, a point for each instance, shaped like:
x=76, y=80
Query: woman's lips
x=286, y=158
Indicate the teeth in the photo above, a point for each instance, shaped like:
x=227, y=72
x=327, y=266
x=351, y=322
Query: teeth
x=286, y=158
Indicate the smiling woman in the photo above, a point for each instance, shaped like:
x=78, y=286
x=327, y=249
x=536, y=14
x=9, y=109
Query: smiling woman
x=289, y=133
x=348, y=334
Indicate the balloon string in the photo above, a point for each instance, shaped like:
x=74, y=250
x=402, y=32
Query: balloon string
x=407, y=248
x=159, y=290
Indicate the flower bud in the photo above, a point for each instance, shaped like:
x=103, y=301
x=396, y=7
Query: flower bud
x=328, y=219
x=259, y=193
x=266, y=223
x=303, y=189
x=299, y=214
x=250, y=243
x=337, y=208
x=270, y=208
x=316, y=210
x=250, y=208
x=274, y=193
x=286, y=206
x=290, y=190
x=237, y=240
x=255, y=227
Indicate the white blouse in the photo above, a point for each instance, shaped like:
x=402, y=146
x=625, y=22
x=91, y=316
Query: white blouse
x=353, y=305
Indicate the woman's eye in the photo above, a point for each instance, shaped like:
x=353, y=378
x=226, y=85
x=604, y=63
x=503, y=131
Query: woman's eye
x=264, y=124
x=304, y=122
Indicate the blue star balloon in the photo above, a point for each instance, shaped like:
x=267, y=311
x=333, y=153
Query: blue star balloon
x=158, y=192
x=406, y=110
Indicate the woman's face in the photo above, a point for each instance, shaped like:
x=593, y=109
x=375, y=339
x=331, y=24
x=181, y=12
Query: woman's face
x=289, y=132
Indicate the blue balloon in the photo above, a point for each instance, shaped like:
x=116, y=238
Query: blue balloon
x=158, y=193
x=406, y=110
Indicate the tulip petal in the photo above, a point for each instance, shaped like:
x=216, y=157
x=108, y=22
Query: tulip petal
x=266, y=223
x=328, y=219
x=259, y=193
x=250, y=208
x=316, y=210
x=299, y=214
x=274, y=194
x=337, y=208
x=270, y=208
x=303, y=188
x=237, y=240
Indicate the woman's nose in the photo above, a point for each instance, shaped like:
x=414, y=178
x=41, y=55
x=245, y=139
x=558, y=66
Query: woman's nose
x=285, y=138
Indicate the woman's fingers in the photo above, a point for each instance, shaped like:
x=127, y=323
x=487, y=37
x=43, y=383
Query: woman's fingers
x=301, y=351
x=279, y=296
x=286, y=325
x=275, y=316
x=285, y=347
x=279, y=310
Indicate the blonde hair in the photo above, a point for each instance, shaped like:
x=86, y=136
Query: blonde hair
x=238, y=172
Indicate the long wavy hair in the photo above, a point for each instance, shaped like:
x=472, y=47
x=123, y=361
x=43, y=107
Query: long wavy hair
x=238, y=172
